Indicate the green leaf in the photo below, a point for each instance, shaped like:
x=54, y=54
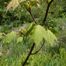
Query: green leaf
x=39, y=33
x=19, y=39
x=26, y=28
x=1, y=35
x=10, y=37
x=34, y=2
x=49, y=1
x=50, y=38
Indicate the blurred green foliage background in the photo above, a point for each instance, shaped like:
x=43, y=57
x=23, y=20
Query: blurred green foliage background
x=14, y=49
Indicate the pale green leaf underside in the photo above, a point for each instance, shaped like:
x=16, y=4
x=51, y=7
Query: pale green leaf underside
x=39, y=33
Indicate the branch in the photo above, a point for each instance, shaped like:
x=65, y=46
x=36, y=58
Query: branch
x=46, y=14
x=32, y=17
x=38, y=49
x=29, y=10
x=28, y=54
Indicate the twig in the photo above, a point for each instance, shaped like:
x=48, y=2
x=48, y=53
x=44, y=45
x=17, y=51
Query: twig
x=31, y=15
x=46, y=14
x=28, y=54
x=39, y=48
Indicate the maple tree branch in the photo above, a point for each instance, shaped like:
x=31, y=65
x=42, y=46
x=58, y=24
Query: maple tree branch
x=46, y=14
x=39, y=48
x=24, y=63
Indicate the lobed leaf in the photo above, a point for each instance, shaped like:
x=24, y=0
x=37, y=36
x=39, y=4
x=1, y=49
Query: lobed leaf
x=39, y=33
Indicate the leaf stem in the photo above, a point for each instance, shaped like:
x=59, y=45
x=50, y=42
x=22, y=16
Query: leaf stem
x=39, y=48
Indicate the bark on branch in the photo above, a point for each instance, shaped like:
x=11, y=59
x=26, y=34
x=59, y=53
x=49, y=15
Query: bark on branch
x=24, y=63
x=46, y=14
